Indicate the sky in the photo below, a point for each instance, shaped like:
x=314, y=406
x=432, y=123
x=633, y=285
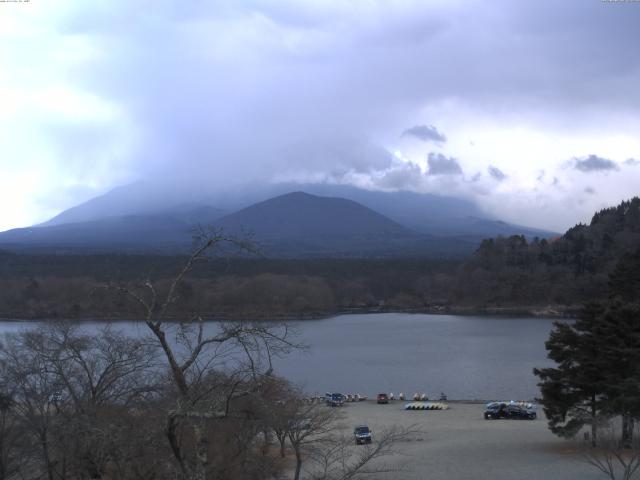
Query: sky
x=530, y=108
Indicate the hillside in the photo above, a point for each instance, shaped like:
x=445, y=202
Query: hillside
x=303, y=225
x=131, y=233
x=428, y=213
x=299, y=214
x=592, y=248
x=570, y=269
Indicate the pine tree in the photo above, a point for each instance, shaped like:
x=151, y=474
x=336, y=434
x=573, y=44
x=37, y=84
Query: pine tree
x=621, y=328
x=619, y=331
x=598, y=360
x=572, y=393
x=624, y=281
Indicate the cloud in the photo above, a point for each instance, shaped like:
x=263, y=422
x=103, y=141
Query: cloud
x=594, y=163
x=212, y=94
x=441, y=165
x=496, y=173
x=632, y=162
x=589, y=190
x=407, y=176
x=426, y=133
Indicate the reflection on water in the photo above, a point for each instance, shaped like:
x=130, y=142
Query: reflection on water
x=465, y=357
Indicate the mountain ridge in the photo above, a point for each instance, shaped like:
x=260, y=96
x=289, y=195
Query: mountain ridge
x=295, y=224
x=422, y=212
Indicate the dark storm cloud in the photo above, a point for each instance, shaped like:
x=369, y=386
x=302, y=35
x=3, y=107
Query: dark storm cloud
x=300, y=77
x=496, y=173
x=594, y=163
x=426, y=133
x=217, y=93
x=442, y=165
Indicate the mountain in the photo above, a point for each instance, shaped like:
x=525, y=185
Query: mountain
x=130, y=233
x=160, y=232
x=428, y=213
x=327, y=220
x=422, y=212
x=302, y=225
x=291, y=225
x=300, y=214
x=141, y=199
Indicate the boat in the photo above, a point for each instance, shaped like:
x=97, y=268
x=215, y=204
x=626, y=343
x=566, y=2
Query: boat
x=426, y=406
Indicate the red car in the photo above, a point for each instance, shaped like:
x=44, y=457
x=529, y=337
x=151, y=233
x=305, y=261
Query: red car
x=383, y=398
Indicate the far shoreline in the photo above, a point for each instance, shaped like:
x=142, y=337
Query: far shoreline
x=540, y=311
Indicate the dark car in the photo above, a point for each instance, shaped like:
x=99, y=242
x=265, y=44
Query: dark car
x=383, y=398
x=334, y=399
x=362, y=434
x=499, y=410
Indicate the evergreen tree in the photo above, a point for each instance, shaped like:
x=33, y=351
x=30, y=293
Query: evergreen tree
x=619, y=331
x=598, y=360
x=572, y=393
x=624, y=281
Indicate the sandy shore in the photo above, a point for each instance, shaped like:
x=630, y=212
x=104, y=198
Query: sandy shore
x=459, y=444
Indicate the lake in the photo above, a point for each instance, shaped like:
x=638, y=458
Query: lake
x=466, y=357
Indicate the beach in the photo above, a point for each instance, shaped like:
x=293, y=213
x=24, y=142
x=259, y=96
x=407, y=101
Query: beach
x=459, y=443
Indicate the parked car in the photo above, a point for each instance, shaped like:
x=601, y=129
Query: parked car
x=383, y=398
x=499, y=410
x=362, y=434
x=334, y=399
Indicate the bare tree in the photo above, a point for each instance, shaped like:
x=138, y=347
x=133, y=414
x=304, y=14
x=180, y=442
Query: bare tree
x=13, y=440
x=72, y=392
x=339, y=459
x=242, y=350
x=309, y=425
x=617, y=459
x=33, y=390
x=313, y=431
x=102, y=368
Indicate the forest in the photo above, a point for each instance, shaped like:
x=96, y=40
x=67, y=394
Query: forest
x=504, y=274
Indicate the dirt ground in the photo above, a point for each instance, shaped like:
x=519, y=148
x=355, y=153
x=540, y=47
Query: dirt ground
x=460, y=444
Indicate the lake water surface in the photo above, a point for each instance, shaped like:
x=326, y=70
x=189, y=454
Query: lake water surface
x=467, y=357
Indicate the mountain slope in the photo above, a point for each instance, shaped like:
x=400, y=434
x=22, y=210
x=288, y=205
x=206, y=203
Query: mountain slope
x=302, y=225
x=425, y=213
x=299, y=214
x=428, y=213
x=291, y=225
x=132, y=233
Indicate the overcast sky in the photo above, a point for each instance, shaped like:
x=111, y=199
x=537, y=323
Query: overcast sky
x=530, y=108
